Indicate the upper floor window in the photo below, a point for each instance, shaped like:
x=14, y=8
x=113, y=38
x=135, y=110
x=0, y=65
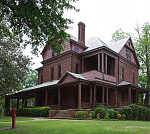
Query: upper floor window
x=59, y=71
x=133, y=77
x=77, y=68
x=122, y=73
x=52, y=73
x=128, y=55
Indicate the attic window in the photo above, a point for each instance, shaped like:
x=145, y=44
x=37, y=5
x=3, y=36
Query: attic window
x=128, y=55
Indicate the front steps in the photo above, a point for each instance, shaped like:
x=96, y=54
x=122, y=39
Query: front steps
x=60, y=114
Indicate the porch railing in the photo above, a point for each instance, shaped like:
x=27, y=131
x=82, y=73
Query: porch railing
x=85, y=105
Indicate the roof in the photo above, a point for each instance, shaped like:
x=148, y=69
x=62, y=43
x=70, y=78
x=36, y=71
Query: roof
x=78, y=76
x=124, y=83
x=38, y=86
x=118, y=45
x=94, y=43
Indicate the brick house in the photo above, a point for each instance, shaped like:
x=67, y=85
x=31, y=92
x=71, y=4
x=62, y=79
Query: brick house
x=85, y=75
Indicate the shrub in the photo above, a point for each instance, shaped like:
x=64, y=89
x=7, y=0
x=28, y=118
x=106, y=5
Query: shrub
x=92, y=113
x=143, y=113
x=119, y=116
x=112, y=113
x=98, y=116
x=123, y=117
x=127, y=111
x=102, y=106
x=135, y=111
x=101, y=111
x=81, y=114
x=106, y=117
x=33, y=112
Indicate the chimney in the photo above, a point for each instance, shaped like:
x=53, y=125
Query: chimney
x=81, y=33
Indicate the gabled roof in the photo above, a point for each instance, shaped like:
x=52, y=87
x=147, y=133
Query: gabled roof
x=118, y=45
x=77, y=76
x=94, y=43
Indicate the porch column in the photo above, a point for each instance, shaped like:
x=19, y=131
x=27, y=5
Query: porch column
x=129, y=95
x=94, y=97
x=46, y=98
x=103, y=95
x=116, y=98
x=103, y=64
x=79, y=96
x=142, y=98
x=107, y=96
x=99, y=62
x=106, y=64
x=59, y=97
x=82, y=65
x=17, y=103
x=35, y=99
x=90, y=96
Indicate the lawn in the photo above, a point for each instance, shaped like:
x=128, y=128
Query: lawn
x=78, y=127
x=9, y=119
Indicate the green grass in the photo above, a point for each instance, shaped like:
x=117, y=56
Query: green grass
x=79, y=127
x=9, y=119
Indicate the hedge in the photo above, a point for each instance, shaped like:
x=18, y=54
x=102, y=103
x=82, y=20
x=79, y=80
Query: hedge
x=33, y=112
x=100, y=111
x=127, y=111
x=81, y=114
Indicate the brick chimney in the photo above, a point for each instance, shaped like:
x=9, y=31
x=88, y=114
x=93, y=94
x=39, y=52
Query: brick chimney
x=81, y=33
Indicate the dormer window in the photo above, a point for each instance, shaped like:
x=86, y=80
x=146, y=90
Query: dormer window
x=128, y=55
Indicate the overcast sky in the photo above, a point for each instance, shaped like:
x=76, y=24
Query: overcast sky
x=103, y=17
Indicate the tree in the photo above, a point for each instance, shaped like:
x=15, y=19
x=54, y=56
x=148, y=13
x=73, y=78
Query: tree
x=13, y=67
x=143, y=53
x=119, y=34
x=40, y=20
x=31, y=78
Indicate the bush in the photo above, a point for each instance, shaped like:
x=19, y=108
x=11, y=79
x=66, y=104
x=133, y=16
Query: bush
x=33, y=112
x=101, y=111
x=135, y=110
x=119, y=116
x=107, y=117
x=102, y=106
x=81, y=114
x=98, y=116
x=123, y=117
x=143, y=113
x=112, y=113
x=92, y=113
x=127, y=111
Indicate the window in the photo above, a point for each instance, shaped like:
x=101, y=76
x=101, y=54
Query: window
x=122, y=97
x=59, y=71
x=41, y=79
x=77, y=68
x=52, y=73
x=122, y=73
x=128, y=55
x=133, y=77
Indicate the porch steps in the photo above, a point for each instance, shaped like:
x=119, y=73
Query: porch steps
x=61, y=114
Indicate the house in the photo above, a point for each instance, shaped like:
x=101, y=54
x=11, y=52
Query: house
x=85, y=75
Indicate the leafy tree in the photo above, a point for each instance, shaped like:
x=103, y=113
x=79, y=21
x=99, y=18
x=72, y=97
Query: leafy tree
x=119, y=34
x=143, y=53
x=31, y=78
x=40, y=20
x=13, y=67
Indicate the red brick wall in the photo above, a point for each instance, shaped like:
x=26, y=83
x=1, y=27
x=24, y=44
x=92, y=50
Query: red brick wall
x=65, y=66
x=128, y=72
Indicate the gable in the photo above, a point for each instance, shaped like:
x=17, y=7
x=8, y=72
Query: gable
x=67, y=79
x=131, y=50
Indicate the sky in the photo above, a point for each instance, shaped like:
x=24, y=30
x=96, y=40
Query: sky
x=103, y=17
